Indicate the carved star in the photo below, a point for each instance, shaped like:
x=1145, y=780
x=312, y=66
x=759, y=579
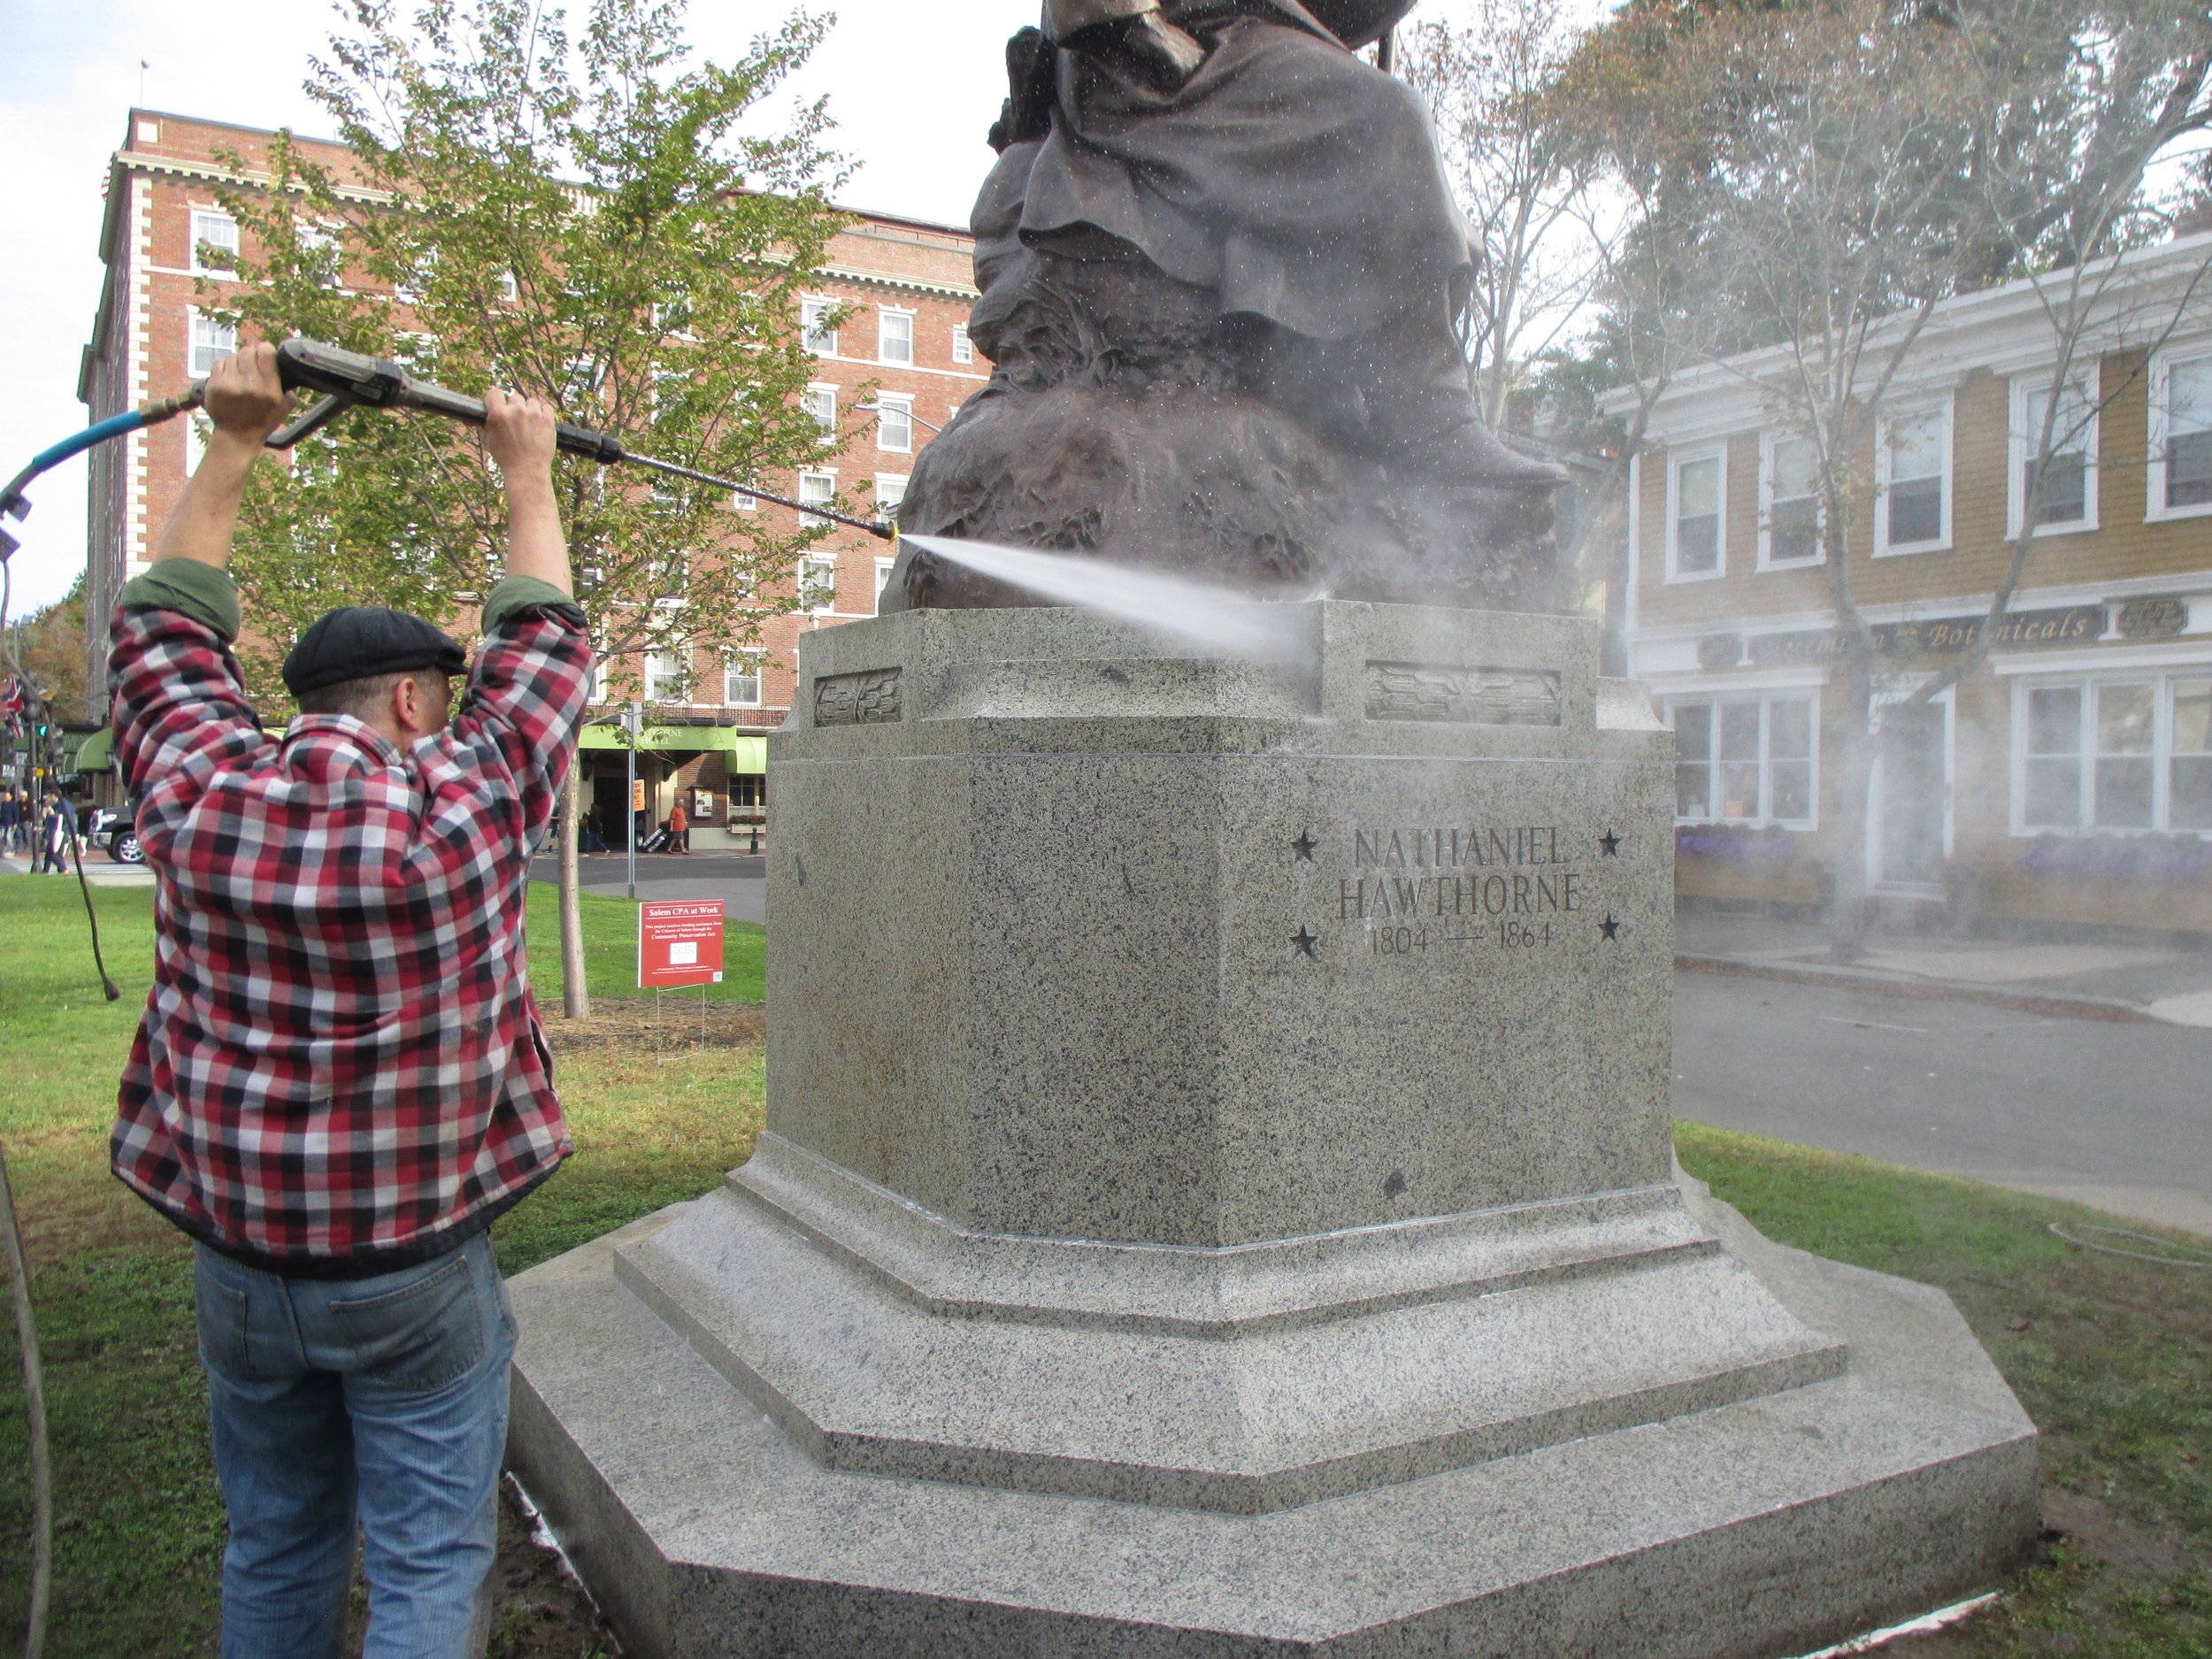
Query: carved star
x=1303, y=846
x=1610, y=928
x=1611, y=843
x=1308, y=941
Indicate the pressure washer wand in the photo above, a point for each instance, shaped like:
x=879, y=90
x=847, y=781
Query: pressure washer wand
x=351, y=380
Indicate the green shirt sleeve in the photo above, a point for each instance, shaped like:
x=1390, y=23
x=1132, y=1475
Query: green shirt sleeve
x=199, y=591
x=520, y=593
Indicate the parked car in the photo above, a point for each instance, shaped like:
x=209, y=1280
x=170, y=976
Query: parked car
x=115, y=831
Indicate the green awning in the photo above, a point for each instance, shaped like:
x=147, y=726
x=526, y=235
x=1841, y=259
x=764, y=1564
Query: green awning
x=747, y=750
x=96, y=753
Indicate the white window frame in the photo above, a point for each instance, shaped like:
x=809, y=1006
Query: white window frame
x=2021, y=446
x=1765, y=698
x=884, y=568
x=1676, y=461
x=890, y=491
x=677, y=672
x=884, y=314
x=826, y=475
x=2162, y=680
x=213, y=214
x=811, y=309
x=811, y=562
x=194, y=321
x=820, y=389
x=1884, y=548
x=1766, y=561
x=2154, y=507
x=317, y=238
x=730, y=665
x=903, y=402
x=963, y=344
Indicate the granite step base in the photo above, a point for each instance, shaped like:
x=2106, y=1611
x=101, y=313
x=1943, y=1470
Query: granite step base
x=1766, y=1527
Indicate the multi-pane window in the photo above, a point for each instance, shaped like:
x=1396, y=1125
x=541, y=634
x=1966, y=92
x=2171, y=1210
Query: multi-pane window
x=211, y=342
x=2068, y=471
x=2123, y=754
x=894, y=336
x=1914, y=512
x=2183, y=420
x=890, y=492
x=895, y=424
x=319, y=253
x=816, y=334
x=816, y=489
x=665, y=680
x=1744, y=760
x=1793, y=504
x=821, y=403
x=818, y=585
x=741, y=682
x=215, y=235
x=1694, y=529
x=884, y=568
x=962, y=348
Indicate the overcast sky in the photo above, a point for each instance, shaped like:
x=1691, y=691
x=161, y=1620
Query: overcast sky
x=914, y=85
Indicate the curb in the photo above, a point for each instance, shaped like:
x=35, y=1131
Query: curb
x=1877, y=984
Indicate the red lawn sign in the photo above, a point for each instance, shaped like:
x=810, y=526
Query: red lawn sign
x=679, y=942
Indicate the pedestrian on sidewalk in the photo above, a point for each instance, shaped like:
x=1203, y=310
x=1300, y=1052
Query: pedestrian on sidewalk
x=336, y=1123
x=679, y=830
x=588, y=837
x=58, y=826
x=11, y=820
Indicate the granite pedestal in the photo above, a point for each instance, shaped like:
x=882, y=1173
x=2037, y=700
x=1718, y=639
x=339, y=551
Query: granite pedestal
x=1217, y=1199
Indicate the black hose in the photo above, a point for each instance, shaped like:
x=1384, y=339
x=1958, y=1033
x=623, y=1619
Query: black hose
x=76, y=853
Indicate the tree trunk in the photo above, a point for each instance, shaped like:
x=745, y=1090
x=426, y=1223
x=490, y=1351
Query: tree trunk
x=1848, y=901
x=575, y=995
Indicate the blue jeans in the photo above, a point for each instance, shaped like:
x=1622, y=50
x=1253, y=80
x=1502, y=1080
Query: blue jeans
x=383, y=1397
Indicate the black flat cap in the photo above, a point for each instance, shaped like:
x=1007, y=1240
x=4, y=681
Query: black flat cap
x=359, y=641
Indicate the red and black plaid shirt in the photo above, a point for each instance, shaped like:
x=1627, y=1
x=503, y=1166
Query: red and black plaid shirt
x=341, y=1064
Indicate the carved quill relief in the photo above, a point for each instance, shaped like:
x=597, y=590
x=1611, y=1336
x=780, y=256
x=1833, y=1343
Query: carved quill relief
x=1466, y=696
x=863, y=699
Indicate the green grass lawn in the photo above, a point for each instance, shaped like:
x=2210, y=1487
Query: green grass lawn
x=2109, y=1355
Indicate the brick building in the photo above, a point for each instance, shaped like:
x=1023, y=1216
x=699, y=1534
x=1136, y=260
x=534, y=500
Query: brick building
x=887, y=321
x=2069, y=779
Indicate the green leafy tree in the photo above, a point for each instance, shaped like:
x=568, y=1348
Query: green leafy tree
x=585, y=220
x=582, y=221
x=49, y=647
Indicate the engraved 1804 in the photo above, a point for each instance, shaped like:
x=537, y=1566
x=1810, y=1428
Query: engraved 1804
x=1510, y=933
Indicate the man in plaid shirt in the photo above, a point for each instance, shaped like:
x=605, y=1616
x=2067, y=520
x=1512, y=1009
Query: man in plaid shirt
x=340, y=1080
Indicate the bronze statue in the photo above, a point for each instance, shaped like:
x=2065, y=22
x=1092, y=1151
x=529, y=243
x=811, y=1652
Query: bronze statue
x=1221, y=271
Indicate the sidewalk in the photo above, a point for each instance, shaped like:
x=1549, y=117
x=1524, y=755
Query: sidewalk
x=99, y=870
x=2067, y=980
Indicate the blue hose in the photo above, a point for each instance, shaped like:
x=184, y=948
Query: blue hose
x=114, y=427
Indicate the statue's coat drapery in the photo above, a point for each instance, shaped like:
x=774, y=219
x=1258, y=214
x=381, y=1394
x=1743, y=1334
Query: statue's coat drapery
x=1287, y=176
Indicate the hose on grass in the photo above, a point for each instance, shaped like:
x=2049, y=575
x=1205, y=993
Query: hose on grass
x=35, y=1411
x=2141, y=1256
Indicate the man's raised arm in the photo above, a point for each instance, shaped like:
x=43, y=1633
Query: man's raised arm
x=247, y=402
x=519, y=432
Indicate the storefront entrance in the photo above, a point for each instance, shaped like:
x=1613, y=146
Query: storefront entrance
x=1912, y=800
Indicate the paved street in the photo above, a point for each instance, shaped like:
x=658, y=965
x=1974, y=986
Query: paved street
x=2106, y=1113
x=737, y=879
